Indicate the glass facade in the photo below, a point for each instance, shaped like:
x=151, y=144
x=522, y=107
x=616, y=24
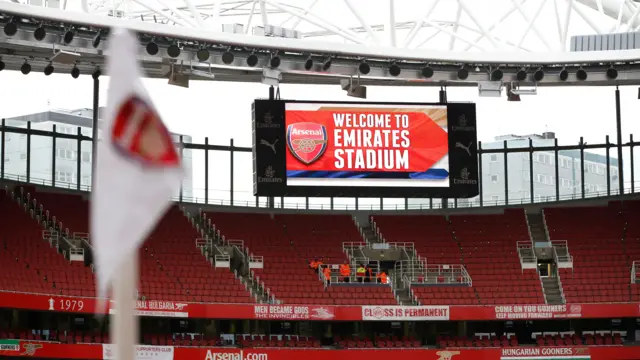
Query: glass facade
x=513, y=170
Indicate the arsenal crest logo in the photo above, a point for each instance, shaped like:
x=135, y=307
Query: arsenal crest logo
x=139, y=133
x=307, y=141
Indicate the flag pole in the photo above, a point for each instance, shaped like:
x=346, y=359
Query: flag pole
x=124, y=325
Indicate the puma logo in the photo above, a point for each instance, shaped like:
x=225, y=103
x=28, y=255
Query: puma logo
x=465, y=148
x=270, y=145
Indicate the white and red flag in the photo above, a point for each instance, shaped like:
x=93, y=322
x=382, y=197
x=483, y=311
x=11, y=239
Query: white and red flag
x=137, y=168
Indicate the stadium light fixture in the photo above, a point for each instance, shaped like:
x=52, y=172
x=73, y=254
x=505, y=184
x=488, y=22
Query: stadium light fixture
x=48, y=70
x=152, y=48
x=203, y=55
x=25, y=68
x=521, y=75
x=96, y=40
x=308, y=64
x=364, y=68
x=463, y=73
x=39, y=33
x=538, y=75
x=228, y=57
x=75, y=72
x=581, y=74
x=68, y=36
x=326, y=65
x=427, y=71
x=394, y=69
x=564, y=74
x=173, y=51
x=275, y=61
x=11, y=28
x=612, y=73
x=252, y=60
x=496, y=75
x=96, y=73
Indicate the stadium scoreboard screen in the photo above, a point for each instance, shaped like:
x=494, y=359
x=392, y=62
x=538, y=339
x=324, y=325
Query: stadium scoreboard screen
x=355, y=149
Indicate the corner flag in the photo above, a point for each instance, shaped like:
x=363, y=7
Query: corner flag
x=138, y=168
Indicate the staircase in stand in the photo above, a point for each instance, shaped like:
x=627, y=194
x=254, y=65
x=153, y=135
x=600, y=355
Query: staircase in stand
x=537, y=227
x=552, y=291
x=369, y=232
x=220, y=252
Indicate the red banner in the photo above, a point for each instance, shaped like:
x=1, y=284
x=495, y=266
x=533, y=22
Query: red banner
x=97, y=352
x=373, y=138
x=323, y=313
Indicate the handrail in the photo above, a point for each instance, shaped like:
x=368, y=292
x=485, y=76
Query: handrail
x=203, y=242
x=564, y=300
x=443, y=274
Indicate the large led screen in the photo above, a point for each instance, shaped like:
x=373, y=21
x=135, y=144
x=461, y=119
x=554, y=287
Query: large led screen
x=366, y=145
x=312, y=148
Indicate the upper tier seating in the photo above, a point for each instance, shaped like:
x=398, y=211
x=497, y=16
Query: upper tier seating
x=601, y=272
x=171, y=267
x=479, y=240
x=70, y=209
x=288, y=243
x=491, y=257
x=30, y=264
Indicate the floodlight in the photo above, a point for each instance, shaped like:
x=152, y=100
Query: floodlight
x=25, y=68
x=364, y=68
x=40, y=33
x=75, y=72
x=173, y=50
x=394, y=69
x=48, y=70
x=152, y=48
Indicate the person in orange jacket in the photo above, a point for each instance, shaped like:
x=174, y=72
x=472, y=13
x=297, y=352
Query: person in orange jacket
x=327, y=274
x=345, y=271
x=382, y=277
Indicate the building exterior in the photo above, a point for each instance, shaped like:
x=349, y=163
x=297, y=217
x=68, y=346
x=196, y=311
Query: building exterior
x=544, y=178
x=66, y=150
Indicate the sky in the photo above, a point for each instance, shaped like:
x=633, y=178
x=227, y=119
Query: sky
x=222, y=111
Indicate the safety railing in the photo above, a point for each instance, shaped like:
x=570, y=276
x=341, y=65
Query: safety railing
x=76, y=254
x=436, y=274
x=561, y=255
x=222, y=261
x=51, y=237
x=527, y=255
x=409, y=246
x=256, y=262
x=237, y=243
x=635, y=272
x=203, y=243
x=564, y=300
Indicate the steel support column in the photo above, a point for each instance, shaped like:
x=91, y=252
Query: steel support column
x=619, y=140
x=206, y=170
x=231, y=161
x=608, y=162
x=557, y=162
x=480, y=172
x=28, y=172
x=94, y=126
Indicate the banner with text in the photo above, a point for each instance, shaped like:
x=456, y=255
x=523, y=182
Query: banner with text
x=293, y=312
x=68, y=304
x=405, y=313
x=42, y=349
x=521, y=312
x=366, y=144
x=541, y=352
x=143, y=352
